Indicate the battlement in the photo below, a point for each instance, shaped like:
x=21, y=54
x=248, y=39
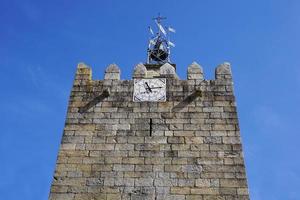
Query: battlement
x=177, y=90
x=194, y=72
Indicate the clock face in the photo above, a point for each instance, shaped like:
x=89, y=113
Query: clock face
x=149, y=89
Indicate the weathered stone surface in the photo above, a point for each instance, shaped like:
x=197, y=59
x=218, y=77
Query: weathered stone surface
x=83, y=73
x=140, y=71
x=112, y=72
x=195, y=71
x=223, y=71
x=192, y=150
x=168, y=70
x=112, y=68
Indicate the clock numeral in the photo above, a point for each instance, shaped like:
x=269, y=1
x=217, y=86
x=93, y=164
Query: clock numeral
x=136, y=98
x=162, y=98
x=162, y=80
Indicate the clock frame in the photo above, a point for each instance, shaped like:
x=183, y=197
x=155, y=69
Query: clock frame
x=149, y=90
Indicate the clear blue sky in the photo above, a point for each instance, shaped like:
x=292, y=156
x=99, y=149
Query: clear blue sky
x=41, y=43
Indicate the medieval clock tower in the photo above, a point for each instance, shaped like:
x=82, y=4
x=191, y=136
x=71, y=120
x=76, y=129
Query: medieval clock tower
x=153, y=137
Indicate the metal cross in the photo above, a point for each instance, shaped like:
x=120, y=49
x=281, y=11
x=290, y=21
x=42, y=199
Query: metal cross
x=159, y=18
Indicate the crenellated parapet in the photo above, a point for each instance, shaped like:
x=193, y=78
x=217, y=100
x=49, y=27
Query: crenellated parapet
x=177, y=90
x=194, y=72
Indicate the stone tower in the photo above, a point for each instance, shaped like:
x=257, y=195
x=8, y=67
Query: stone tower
x=182, y=145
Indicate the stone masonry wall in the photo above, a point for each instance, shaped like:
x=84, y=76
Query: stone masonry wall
x=192, y=152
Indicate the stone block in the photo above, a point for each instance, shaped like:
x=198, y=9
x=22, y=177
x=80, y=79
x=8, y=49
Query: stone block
x=134, y=160
x=206, y=191
x=135, y=139
x=203, y=183
x=174, y=197
x=193, y=140
x=180, y=147
x=156, y=140
x=113, y=160
x=124, y=182
x=231, y=140
x=123, y=147
x=164, y=182
x=175, y=140
x=233, y=183
x=242, y=191
x=173, y=168
x=179, y=161
x=195, y=197
x=180, y=190
x=122, y=167
x=186, y=182
x=143, y=168
x=61, y=196
x=143, y=182
x=188, y=154
x=99, y=147
x=113, y=197
x=157, y=160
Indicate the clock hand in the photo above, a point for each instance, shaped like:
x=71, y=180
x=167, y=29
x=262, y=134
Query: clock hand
x=148, y=87
x=155, y=87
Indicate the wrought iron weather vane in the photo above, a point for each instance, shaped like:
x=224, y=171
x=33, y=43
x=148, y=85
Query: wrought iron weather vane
x=159, y=43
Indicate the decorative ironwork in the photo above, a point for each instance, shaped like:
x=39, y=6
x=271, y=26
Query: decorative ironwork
x=158, y=51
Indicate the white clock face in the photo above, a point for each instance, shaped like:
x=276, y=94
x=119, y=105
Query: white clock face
x=149, y=89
